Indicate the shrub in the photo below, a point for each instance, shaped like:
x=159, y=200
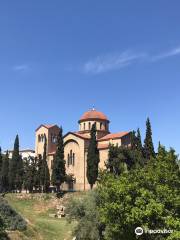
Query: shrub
x=11, y=219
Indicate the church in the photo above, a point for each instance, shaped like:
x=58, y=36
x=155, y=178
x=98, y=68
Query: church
x=76, y=145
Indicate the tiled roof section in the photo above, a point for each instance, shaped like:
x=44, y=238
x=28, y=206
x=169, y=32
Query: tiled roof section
x=103, y=146
x=93, y=114
x=113, y=136
x=85, y=136
x=48, y=126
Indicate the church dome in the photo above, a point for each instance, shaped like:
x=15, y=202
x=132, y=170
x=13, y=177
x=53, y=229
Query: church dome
x=92, y=115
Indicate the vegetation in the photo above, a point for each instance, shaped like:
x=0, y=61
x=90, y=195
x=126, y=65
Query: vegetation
x=35, y=208
x=146, y=197
x=12, y=220
x=15, y=168
x=92, y=158
x=4, y=180
x=148, y=143
x=44, y=170
x=59, y=171
x=84, y=211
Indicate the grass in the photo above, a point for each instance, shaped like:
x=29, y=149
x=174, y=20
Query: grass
x=35, y=209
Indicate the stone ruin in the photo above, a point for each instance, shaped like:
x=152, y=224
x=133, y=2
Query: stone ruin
x=60, y=212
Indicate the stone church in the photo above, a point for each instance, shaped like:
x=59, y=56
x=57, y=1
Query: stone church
x=76, y=145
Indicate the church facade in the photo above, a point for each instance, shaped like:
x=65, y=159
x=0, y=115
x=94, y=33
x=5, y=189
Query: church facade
x=76, y=145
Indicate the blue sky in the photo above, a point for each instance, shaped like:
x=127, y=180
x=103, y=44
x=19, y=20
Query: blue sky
x=60, y=58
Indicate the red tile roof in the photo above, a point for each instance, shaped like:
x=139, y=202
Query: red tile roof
x=47, y=126
x=85, y=136
x=113, y=136
x=93, y=114
x=103, y=146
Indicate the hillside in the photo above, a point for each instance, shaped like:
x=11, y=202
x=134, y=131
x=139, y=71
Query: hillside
x=35, y=208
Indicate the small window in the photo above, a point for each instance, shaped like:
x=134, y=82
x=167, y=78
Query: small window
x=84, y=126
x=39, y=138
x=89, y=126
x=101, y=125
x=71, y=156
x=68, y=159
x=42, y=138
x=73, y=159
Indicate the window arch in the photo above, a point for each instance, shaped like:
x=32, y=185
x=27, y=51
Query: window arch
x=68, y=159
x=73, y=159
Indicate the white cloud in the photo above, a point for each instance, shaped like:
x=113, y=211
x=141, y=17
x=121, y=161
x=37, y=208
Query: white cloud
x=111, y=62
x=22, y=67
x=171, y=53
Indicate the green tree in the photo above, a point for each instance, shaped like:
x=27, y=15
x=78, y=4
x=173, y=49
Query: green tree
x=13, y=166
x=84, y=211
x=145, y=197
x=59, y=171
x=39, y=172
x=139, y=146
x=4, y=173
x=133, y=140
x=30, y=174
x=1, y=160
x=44, y=170
x=3, y=234
x=117, y=159
x=92, y=158
x=148, y=149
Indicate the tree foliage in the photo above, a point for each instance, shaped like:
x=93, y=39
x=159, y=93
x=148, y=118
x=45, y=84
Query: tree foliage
x=16, y=168
x=31, y=178
x=44, y=170
x=92, y=158
x=59, y=171
x=4, y=180
x=148, y=143
x=84, y=211
x=148, y=197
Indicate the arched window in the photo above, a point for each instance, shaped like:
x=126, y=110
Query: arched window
x=89, y=126
x=71, y=157
x=73, y=162
x=68, y=159
x=84, y=126
x=39, y=138
x=42, y=138
x=101, y=125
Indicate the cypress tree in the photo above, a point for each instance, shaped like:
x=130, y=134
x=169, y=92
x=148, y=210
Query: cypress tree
x=139, y=142
x=39, y=172
x=148, y=143
x=92, y=158
x=0, y=159
x=45, y=177
x=59, y=171
x=4, y=173
x=133, y=140
x=19, y=173
x=13, y=164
